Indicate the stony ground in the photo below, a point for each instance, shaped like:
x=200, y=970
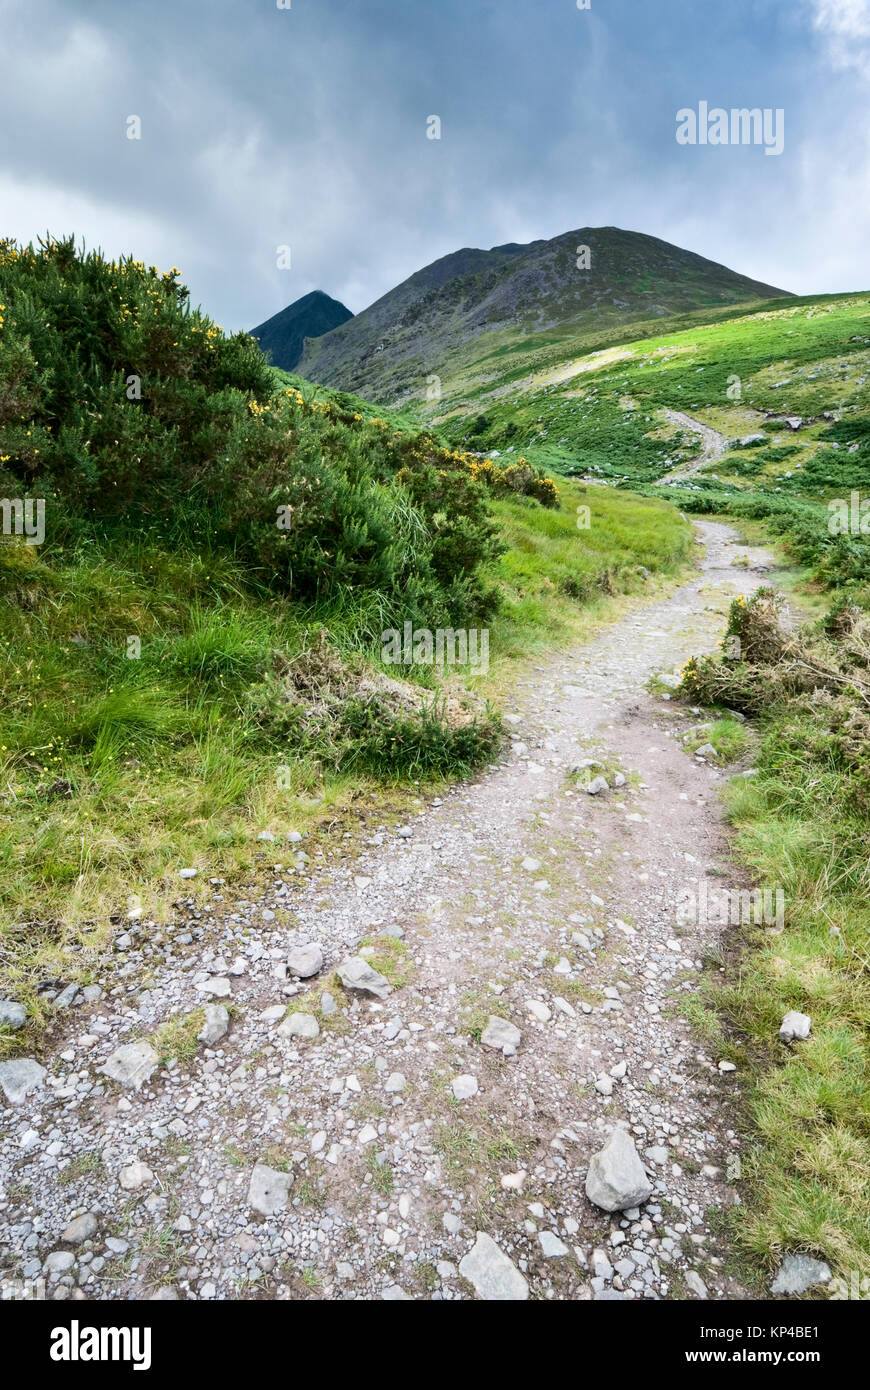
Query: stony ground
x=356, y=1146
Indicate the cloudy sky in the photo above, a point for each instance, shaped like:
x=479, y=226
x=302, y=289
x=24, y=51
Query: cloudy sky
x=306, y=127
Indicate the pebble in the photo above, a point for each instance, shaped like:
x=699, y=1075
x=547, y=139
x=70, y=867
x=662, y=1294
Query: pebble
x=356, y=974
x=798, y=1274
x=134, y=1176
x=299, y=1026
x=795, y=1026
x=217, y=1022
x=616, y=1178
x=12, y=1015
x=268, y=1190
x=551, y=1246
x=464, y=1087
x=305, y=961
x=81, y=1228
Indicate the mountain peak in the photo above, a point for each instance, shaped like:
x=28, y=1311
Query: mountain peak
x=283, y=335
x=453, y=313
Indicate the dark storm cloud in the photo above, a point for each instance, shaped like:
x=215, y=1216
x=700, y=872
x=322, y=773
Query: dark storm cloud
x=263, y=126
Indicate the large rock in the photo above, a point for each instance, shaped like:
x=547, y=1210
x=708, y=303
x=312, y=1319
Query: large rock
x=494, y=1276
x=799, y=1273
x=269, y=1190
x=80, y=1228
x=134, y=1176
x=795, y=1025
x=305, y=961
x=19, y=1077
x=356, y=973
x=131, y=1065
x=617, y=1179
x=12, y=1015
x=217, y=1021
x=499, y=1033
x=299, y=1026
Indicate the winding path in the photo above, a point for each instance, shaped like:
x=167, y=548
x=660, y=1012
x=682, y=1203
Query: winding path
x=714, y=445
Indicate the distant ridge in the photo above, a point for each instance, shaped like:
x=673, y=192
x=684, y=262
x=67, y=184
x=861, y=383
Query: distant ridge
x=283, y=335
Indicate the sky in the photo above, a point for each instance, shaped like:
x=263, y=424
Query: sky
x=264, y=127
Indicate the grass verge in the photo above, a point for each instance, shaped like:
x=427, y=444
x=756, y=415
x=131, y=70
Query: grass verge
x=802, y=825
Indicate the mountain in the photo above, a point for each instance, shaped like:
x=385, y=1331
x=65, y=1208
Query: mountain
x=283, y=335
x=473, y=303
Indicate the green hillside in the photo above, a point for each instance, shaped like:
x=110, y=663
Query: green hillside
x=783, y=371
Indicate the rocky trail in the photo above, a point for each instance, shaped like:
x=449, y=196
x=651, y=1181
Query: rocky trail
x=713, y=445
x=512, y=975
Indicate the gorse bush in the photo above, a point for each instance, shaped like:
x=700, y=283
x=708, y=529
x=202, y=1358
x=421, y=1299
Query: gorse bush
x=125, y=408
x=115, y=393
x=325, y=504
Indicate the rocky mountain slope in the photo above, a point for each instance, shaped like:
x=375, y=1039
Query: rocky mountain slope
x=472, y=303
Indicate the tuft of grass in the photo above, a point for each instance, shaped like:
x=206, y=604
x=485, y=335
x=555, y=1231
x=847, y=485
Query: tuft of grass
x=177, y=1038
x=80, y=1166
x=311, y=1193
x=389, y=956
x=730, y=738
x=382, y=1174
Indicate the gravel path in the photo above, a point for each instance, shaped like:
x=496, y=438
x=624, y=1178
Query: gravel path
x=363, y=1162
x=714, y=445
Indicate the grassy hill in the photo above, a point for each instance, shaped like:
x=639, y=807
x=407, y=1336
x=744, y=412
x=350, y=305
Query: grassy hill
x=282, y=337
x=464, y=316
